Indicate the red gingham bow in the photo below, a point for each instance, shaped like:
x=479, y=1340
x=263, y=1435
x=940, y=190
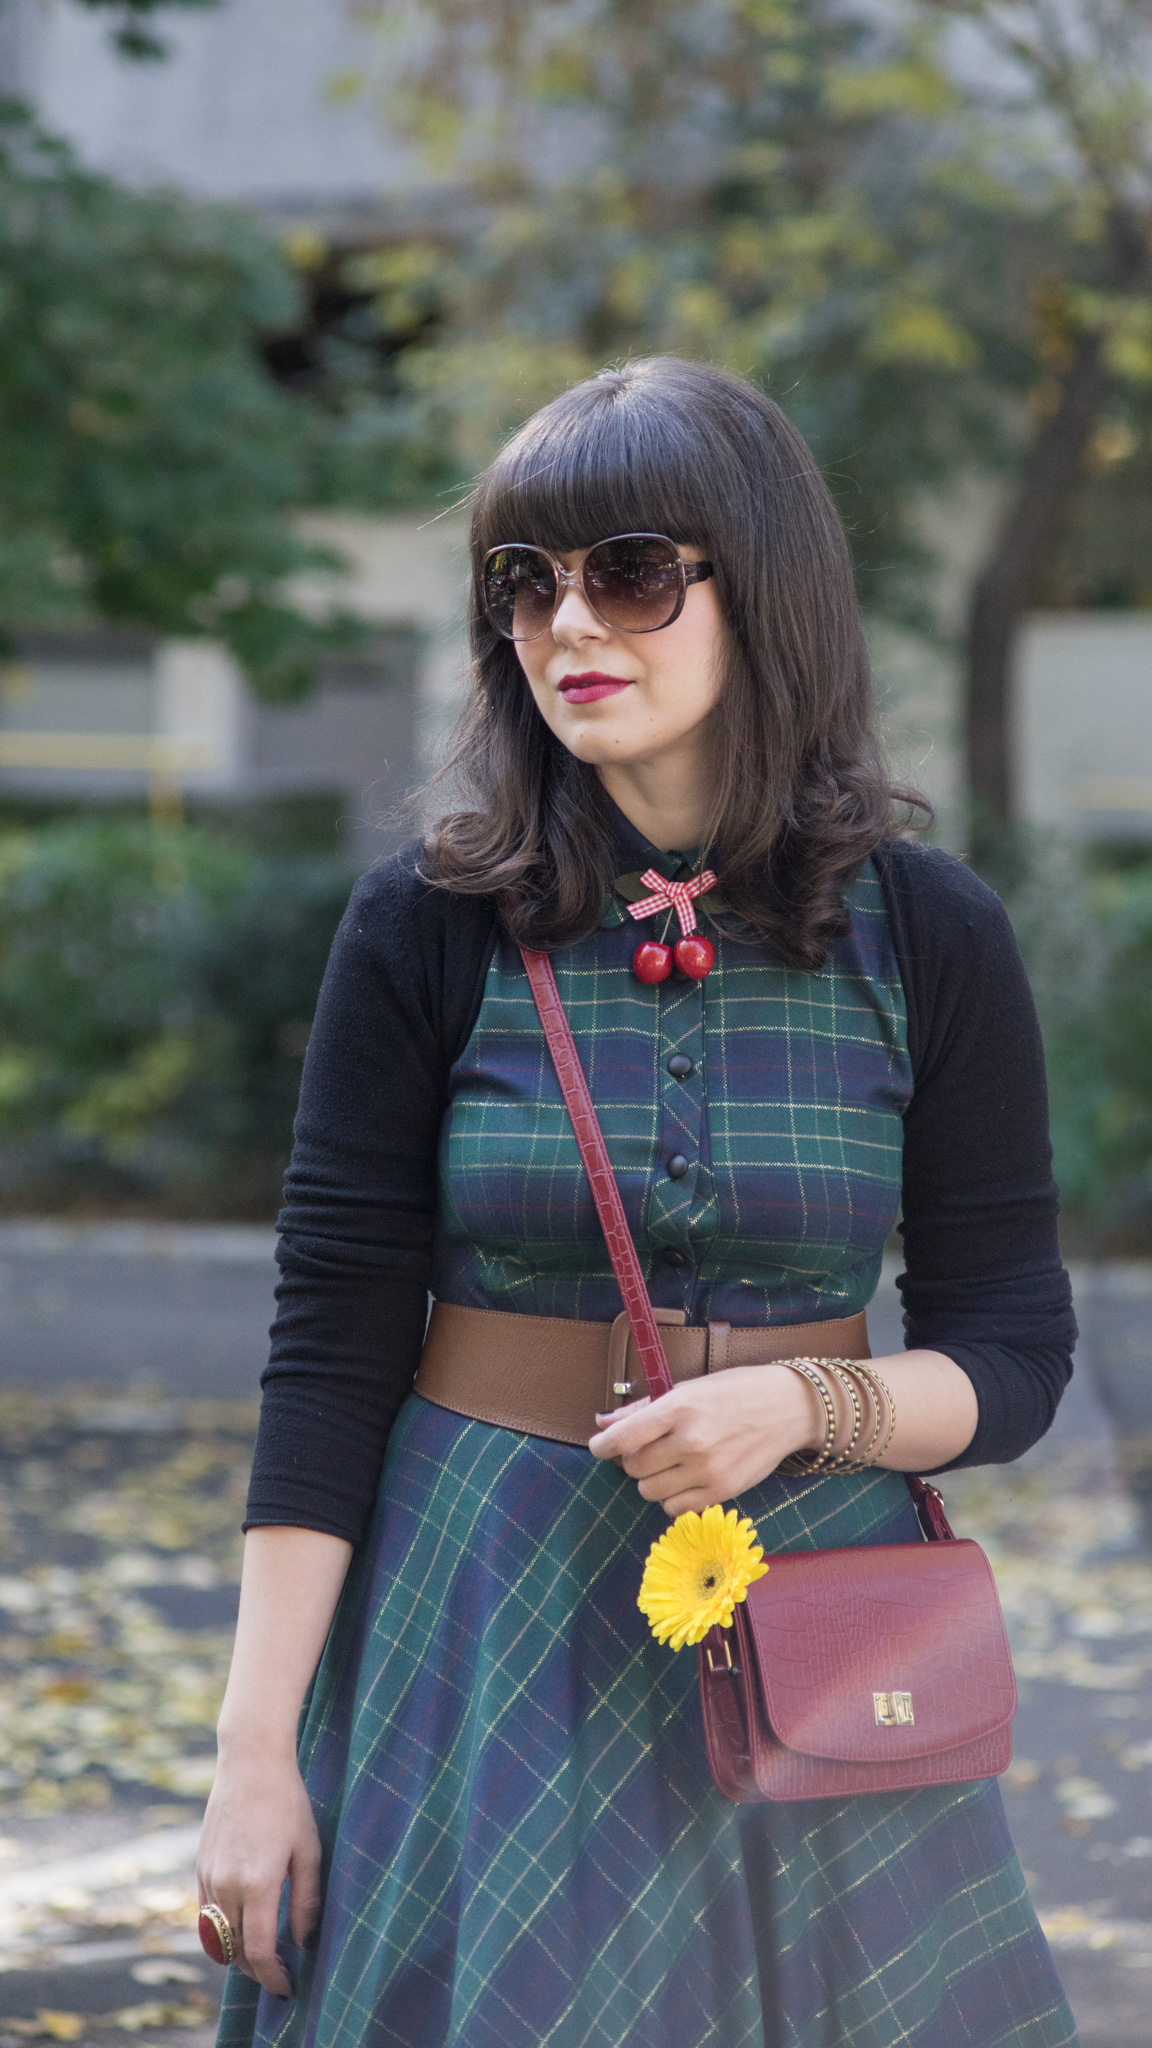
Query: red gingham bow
x=675, y=896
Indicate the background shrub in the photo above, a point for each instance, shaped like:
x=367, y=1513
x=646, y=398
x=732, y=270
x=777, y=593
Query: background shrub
x=156, y=992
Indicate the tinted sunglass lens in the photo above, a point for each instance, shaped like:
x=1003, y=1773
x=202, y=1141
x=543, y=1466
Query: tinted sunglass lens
x=634, y=583
x=519, y=592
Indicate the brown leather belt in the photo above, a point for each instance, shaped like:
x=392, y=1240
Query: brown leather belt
x=549, y=1375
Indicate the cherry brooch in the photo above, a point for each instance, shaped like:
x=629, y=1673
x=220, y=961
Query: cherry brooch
x=651, y=961
x=694, y=954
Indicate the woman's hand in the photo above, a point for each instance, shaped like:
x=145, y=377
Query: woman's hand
x=712, y=1438
x=259, y=1830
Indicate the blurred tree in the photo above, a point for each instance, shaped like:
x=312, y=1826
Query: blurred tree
x=712, y=177
x=149, y=463
x=926, y=226
x=1057, y=161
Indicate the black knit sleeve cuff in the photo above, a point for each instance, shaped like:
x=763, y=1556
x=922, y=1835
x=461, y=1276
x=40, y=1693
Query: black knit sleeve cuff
x=1017, y=1393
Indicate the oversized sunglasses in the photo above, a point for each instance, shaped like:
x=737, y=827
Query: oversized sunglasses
x=635, y=583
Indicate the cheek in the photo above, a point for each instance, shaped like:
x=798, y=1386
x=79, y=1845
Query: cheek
x=687, y=677
x=532, y=667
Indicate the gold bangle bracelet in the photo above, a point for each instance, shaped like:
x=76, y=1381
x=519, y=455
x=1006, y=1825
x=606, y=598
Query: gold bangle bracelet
x=885, y=1408
x=812, y=1461
x=863, y=1456
x=877, y=1382
x=842, y=1373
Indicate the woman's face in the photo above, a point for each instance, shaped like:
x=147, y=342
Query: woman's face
x=619, y=699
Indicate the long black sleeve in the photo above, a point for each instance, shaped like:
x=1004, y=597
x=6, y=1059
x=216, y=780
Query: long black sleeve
x=356, y=1228
x=984, y=1282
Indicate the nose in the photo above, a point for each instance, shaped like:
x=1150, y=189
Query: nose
x=574, y=620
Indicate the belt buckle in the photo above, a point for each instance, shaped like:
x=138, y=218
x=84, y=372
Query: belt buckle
x=625, y=1377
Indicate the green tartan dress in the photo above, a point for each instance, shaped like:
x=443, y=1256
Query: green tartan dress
x=522, y=1842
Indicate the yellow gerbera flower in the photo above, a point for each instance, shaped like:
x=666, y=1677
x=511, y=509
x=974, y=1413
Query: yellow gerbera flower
x=696, y=1572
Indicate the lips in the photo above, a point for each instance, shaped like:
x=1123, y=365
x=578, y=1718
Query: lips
x=588, y=688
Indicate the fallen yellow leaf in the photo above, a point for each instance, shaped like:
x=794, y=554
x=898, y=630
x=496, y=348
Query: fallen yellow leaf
x=61, y=2026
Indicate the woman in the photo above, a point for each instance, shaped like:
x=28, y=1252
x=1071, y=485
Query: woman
x=501, y=1830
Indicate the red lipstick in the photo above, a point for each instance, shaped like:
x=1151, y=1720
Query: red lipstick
x=588, y=688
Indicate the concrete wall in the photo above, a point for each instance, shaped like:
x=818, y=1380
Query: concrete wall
x=1084, y=723
x=372, y=729
x=409, y=569
x=271, y=102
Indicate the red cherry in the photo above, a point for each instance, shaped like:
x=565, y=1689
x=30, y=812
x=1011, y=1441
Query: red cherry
x=695, y=956
x=652, y=962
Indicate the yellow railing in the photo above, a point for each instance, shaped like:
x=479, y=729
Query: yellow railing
x=165, y=761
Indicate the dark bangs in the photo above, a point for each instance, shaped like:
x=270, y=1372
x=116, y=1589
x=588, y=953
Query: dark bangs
x=802, y=794
x=600, y=461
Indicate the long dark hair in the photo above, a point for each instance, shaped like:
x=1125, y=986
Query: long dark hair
x=803, y=795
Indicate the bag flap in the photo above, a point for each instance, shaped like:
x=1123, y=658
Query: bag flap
x=883, y=1651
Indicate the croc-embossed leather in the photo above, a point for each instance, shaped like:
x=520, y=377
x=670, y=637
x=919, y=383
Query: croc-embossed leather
x=598, y=1167
x=829, y=1633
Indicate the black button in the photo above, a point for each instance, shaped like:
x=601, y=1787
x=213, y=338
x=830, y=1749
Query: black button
x=677, y=1166
x=674, y=1258
x=680, y=1066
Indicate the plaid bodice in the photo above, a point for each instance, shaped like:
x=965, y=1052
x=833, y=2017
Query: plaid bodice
x=784, y=1139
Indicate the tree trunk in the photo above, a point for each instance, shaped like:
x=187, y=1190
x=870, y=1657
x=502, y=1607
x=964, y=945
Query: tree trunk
x=1021, y=546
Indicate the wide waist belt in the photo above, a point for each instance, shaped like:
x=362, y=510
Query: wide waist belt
x=548, y=1375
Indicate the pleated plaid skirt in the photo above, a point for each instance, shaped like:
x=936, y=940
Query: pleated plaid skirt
x=522, y=1842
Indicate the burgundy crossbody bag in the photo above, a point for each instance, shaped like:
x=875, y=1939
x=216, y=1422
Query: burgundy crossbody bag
x=875, y=1669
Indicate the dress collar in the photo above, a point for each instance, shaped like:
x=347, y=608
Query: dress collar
x=634, y=853
x=633, y=856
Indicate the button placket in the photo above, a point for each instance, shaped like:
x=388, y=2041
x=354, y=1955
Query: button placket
x=680, y=1127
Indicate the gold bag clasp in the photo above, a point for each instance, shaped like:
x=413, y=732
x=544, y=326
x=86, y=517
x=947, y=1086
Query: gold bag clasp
x=893, y=1709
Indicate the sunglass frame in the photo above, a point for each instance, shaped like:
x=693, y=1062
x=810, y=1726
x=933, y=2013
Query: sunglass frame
x=572, y=579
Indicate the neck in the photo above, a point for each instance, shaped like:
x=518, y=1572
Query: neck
x=669, y=801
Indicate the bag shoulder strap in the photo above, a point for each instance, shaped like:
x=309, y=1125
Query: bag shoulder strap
x=598, y=1167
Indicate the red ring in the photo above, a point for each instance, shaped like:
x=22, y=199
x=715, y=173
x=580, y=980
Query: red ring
x=217, y=1935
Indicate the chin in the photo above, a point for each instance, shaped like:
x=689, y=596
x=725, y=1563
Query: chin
x=599, y=740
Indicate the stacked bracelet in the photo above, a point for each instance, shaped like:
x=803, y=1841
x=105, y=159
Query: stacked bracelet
x=846, y=1372
x=885, y=1408
x=809, y=1370
x=841, y=1372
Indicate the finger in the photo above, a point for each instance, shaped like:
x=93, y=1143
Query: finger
x=613, y=1421
x=658, y=1486
x=304, y=1882
x=258, y=1957
x=643, y=1422
x=667, y=1454
x=692, y=1502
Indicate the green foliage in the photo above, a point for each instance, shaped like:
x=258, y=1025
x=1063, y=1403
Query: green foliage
x=149, y=464
x=724, y=198
x=156, y=991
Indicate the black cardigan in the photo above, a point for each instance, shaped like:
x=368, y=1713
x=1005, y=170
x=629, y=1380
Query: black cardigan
x=984, y=1283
